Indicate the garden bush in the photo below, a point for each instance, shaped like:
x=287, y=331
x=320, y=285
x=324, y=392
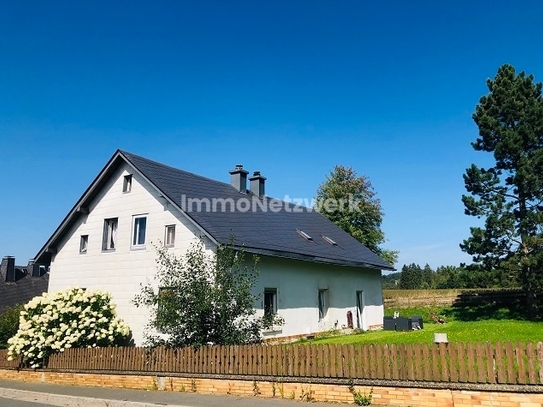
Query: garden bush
x=73, y=318
x=9, y=323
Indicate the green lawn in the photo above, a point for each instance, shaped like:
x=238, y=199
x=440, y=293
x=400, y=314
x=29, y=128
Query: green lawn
x=488, y=322
x=457, y=331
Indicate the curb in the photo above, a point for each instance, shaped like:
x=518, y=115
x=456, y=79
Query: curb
x=63, y=400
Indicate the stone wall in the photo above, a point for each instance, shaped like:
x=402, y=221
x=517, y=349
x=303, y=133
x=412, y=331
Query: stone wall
x=417, y=395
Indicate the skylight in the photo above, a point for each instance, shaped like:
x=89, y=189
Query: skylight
x=327, y=239
x=304, y=235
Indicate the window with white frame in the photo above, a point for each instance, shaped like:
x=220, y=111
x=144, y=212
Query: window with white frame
x=169, y=238
x=127, y=183
x=139, y=229
x=270, y=301
x=83, y=244
x=109, y=240
x=323, y=303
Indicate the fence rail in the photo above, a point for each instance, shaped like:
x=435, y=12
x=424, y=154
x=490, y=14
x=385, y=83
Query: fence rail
x=495, y=363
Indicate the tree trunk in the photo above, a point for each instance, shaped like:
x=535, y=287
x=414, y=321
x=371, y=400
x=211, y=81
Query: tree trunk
x=531, y=291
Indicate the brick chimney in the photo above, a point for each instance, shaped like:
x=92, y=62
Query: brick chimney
x=238, y=178
x=257, y=184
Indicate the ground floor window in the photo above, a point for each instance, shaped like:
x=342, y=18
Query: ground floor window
x=323, y=303
x=270, y=301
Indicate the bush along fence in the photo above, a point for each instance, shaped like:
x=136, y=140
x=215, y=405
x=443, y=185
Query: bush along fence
x=478, y=363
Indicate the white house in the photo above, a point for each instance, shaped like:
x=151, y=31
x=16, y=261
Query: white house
x=312, y=273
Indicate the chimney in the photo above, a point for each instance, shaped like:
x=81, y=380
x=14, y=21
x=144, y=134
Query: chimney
x=7, y=267
x=34, y=269
x=257, y=184
x=238, y=178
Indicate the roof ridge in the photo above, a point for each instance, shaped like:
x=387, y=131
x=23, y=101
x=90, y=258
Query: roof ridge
x=128, y=154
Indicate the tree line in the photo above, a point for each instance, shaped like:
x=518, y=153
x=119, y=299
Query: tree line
x=414, y=277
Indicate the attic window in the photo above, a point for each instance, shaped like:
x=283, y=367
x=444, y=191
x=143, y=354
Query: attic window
x=327, y=239
x=304, y=235
x=127, y=183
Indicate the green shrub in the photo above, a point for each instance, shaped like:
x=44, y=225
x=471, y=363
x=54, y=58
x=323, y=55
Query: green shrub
x=9, y=323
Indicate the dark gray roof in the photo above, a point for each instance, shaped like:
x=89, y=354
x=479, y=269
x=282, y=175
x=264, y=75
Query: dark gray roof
x=268, y=232
x=262, y=231
x=21, y=291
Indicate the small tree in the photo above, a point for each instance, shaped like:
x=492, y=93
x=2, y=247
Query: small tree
x=9, y=324
x=349, y=201
x=73, y=318
x=203, y=299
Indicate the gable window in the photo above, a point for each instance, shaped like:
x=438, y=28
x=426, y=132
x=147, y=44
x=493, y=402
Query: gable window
x=127, y=183
x=109, y=239
x=270, y=301
x=323, y=303
x=169, y=239
x=83, y=244
x=139, y=228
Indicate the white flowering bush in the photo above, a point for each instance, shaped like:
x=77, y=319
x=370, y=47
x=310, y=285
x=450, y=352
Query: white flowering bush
x=73, y=318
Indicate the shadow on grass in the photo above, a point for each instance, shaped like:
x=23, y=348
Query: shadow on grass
x=496, y=309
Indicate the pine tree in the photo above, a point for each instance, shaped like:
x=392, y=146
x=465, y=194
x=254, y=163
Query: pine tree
x=509, y=194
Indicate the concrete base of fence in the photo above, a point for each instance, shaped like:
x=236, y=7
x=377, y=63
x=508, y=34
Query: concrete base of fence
x=299, y=390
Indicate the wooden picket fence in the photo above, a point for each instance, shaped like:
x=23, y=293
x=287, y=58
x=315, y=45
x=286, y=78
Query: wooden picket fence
x=494, y=363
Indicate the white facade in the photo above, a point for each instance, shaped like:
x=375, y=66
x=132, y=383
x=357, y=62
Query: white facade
x=298, y=285
x=91, y=263
x=120, y=271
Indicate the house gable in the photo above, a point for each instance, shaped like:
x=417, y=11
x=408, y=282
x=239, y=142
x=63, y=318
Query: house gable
x=116, y=168
x=123, y=268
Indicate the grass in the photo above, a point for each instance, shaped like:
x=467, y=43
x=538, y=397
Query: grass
x=457, y=331
x=491, y=322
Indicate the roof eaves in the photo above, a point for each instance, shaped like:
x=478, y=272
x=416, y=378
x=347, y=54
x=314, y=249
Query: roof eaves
x=44, y=255
x=313, y=259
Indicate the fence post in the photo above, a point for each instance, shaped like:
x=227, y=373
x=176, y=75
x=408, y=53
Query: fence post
x=540, y=360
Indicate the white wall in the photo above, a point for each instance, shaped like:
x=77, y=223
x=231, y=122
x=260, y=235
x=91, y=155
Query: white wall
x=119, y=272
x=298, y=284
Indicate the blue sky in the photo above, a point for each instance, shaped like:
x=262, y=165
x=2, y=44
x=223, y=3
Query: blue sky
x=290, y=88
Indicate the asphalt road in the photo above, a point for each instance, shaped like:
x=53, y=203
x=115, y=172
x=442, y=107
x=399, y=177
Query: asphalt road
x=17, y=403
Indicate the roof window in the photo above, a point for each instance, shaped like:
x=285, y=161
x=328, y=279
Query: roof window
x=304, y=235
x=327, y=239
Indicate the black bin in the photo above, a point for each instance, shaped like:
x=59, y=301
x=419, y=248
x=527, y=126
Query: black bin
x=416, y=322
x=389, y=324
x=403, y=324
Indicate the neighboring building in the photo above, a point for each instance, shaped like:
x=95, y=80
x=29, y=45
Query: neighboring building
x=19, y=284
x=311, y=272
